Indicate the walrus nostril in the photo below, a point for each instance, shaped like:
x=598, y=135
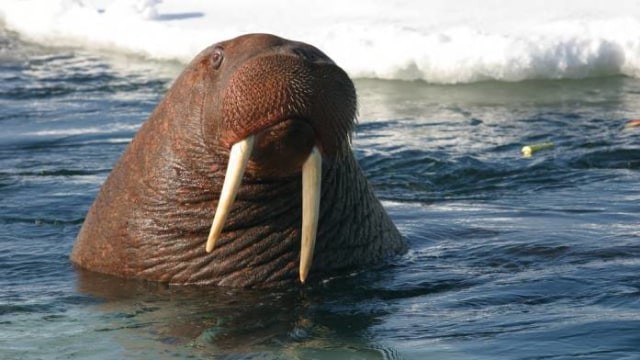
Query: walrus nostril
x=309, y=54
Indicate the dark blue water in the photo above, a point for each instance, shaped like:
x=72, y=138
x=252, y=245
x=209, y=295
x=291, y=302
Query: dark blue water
x=510, y=258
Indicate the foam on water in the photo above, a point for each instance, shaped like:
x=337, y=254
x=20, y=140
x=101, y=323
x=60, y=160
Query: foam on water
x=438, y=41
x=85, y=131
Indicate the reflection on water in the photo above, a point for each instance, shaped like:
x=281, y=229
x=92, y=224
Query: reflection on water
x=323, y=320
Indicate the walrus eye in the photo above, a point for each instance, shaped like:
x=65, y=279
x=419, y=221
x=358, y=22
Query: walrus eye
x=216, y=57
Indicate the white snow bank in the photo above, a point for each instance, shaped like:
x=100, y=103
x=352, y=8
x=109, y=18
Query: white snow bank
x=440, y=41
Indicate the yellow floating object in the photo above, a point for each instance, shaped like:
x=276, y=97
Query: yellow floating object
x=529, y=150
x=632, y=123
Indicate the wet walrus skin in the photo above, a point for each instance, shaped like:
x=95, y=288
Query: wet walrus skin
x=152, y=216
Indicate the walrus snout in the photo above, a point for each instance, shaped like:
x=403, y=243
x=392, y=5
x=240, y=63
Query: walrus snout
x=281, y=149
x=273, y=88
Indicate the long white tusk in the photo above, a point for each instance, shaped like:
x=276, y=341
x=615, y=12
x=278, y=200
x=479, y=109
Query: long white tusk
x=238, y=159
x=311, y=183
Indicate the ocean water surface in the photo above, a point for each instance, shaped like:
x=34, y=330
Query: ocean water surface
x=510, y=258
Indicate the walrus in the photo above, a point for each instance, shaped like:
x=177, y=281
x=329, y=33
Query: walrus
x=242, y=176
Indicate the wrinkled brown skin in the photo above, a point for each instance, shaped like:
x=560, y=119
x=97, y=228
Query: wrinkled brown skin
x=153, y=214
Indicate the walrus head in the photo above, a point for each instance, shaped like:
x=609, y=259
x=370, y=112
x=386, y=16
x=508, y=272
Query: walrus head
x=294, y=104
x=278, y=116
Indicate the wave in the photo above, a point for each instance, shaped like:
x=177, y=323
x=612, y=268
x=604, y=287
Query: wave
x=87, y=131
x=438, y=41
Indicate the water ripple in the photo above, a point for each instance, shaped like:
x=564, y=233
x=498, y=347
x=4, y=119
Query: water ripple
x=508, y=256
